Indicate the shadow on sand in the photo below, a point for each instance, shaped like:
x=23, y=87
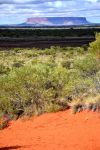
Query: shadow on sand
x=10, y=147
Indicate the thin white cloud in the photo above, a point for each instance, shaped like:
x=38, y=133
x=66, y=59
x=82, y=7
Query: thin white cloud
x=92, y=1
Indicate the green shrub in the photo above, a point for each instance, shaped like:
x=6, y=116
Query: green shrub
x=4, y=69
x=49, y=51
x=18, y=64
x=96, y=81
x=44, y=83
x=87, y=65
x=31, y=54
x=16, y=50
x=77, y=85
x=29, y=85
x=68, y=64
x=94, y=47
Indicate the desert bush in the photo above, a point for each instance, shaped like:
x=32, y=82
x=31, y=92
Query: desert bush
x=96, y=81
x=94, y=47
x=31, y=54
x=68, y=64
x=77, y=85
x=18, y=64
x=48, y=81
x=50, y=51
x=4, y=69
x=32, y=85
x=88, y=65
x=16, y=50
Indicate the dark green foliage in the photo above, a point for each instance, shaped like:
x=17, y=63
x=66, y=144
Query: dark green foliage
x=72, y=32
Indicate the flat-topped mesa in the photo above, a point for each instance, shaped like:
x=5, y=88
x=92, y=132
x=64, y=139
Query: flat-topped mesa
x=57, y=21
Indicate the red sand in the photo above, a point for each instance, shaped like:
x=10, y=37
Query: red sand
x=54, y=131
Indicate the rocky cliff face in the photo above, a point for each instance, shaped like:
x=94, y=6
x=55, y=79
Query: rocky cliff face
x=56, y=21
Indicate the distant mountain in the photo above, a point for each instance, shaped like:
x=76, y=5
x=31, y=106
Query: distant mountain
x=55, y=21
x=52, y=22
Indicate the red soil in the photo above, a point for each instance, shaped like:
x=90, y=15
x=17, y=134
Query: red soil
x=54, y=131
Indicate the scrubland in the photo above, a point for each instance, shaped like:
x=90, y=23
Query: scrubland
x=35, y=81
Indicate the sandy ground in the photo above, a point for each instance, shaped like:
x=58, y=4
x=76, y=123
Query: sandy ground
x=54, y=131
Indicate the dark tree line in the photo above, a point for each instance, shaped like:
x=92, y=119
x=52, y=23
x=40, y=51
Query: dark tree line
x=71, y=32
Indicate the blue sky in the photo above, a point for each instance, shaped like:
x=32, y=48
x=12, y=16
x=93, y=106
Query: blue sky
x=16, y=11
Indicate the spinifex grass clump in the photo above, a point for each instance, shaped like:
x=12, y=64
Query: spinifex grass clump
x=39, y=81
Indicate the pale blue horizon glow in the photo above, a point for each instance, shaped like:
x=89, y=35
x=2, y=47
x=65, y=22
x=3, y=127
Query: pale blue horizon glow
x=17, y=11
